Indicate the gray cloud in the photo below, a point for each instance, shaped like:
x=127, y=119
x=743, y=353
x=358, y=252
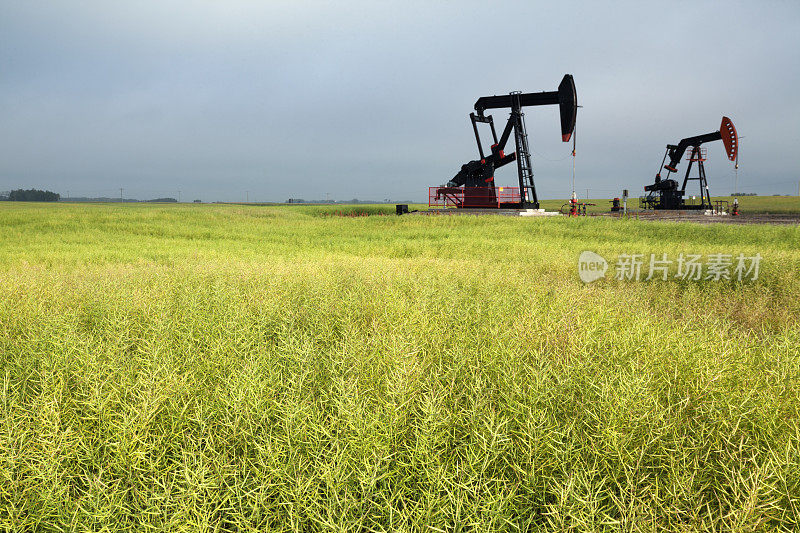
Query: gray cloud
x=370, y=99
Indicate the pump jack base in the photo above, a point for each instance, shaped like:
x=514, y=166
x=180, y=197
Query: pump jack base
x=475, y=211
x=508, y=205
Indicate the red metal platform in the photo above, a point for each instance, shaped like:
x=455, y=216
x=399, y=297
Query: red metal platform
x=473, y=196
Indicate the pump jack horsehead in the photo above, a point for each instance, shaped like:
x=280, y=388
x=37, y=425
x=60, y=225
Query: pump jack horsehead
x=474, y=185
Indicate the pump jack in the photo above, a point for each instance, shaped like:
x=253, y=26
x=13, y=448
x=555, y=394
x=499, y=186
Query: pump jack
x=664, y=193
x=475, y=180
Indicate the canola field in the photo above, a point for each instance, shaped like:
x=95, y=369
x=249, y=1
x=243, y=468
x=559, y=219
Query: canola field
x=268, y=368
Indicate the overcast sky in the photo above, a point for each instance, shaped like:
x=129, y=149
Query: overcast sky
x=371, y=99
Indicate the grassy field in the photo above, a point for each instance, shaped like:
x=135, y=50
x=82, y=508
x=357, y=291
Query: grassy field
x=243, y=368
x=747, y=204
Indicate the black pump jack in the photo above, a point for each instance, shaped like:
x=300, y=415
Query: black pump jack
x=664, y=192
x=480, y=173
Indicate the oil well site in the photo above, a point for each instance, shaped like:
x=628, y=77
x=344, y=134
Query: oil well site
x=397, y=266
x=473, y=189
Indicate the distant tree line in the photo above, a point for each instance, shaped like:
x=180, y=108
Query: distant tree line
x=105, y=199
x=33, y=195
x=163, y=200
x=353, y=201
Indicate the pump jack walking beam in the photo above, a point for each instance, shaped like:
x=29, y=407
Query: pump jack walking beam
x=726, y=133
x=480, y=173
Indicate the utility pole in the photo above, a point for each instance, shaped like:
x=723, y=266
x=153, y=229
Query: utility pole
x=121, y=199
x=587, y=194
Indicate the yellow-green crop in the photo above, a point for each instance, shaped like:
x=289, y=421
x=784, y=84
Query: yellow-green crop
x=239, y=368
